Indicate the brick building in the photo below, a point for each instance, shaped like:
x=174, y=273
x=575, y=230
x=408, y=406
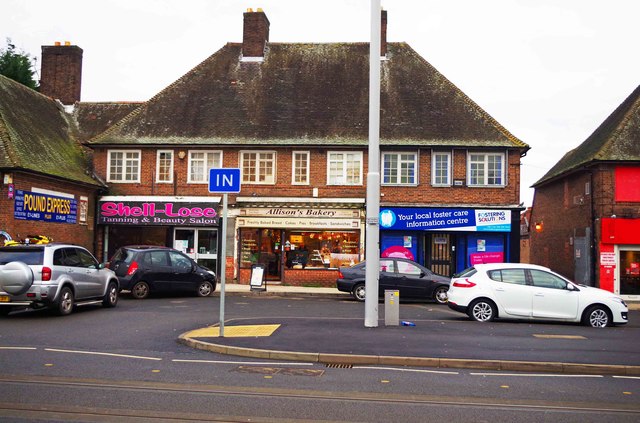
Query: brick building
x=586, y=209
x=294, y=118
x=47, y=185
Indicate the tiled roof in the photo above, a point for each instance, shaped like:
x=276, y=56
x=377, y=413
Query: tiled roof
x=617, y=139
x=94, y=118
x=310, y=94
x=36, y=136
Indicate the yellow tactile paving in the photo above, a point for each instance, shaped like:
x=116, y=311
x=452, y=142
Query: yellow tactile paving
x=234, y=331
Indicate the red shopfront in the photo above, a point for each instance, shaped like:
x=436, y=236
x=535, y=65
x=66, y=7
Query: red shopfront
x=619, y=257
x=188, y=224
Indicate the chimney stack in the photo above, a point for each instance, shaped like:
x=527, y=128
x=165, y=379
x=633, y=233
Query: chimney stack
x=383, y=33
x=61, y=72
x=255, y=34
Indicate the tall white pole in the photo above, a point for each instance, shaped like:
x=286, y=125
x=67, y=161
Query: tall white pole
x=372, y=252
x=223, y=266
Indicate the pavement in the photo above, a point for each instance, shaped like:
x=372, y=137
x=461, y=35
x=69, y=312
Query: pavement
x=349, y=343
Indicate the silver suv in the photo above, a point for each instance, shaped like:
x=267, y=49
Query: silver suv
x=56, y=276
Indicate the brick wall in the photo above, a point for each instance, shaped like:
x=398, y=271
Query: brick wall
x=81, y=234
x=424, y=193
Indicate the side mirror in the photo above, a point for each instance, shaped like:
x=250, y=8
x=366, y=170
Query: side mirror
x=422, y=274
x=572, y=287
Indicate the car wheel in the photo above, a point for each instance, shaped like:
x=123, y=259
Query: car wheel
x=140, y=290
x=111, y=297
x=205, y=289
x=597, y=317
x=64, y=306
x=440, y=294
x=482, y=311
x=358, y=292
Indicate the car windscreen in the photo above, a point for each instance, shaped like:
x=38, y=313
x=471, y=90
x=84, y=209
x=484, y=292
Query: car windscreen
x=30, y=256
x=469, y=271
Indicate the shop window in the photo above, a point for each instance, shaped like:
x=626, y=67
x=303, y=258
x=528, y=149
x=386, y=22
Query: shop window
x=399, y=168
x=321, y=249
x=344, y=168
x=261, y=246
x=199, y=164
x=164, y=166
x=486, y=169
x=123, y=166
x=258, y=167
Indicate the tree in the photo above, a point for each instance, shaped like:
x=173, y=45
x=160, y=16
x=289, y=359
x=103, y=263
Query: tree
x=17, y=66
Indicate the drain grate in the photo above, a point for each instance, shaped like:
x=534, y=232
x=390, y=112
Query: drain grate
x=339, y=366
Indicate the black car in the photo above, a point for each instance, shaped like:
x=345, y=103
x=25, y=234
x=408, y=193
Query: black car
x=411, y=279
x=143, y=269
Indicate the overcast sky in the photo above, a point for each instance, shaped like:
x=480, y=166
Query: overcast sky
x=550, y=71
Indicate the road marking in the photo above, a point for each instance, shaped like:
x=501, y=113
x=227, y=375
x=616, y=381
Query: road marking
x=18, y=348
x=258, y=363
x=405, y=370
x=559, y=336
x=627, y=377
x=534, y=375
x=103, y=353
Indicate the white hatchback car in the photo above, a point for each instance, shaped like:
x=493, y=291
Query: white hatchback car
x=528, y=291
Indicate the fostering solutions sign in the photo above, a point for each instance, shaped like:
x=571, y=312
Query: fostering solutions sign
x=432, y=219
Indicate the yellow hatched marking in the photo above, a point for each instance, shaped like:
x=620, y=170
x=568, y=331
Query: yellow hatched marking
x=234, y=331
x=560, y=336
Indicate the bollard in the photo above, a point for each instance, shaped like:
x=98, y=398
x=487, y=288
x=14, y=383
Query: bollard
x=391, y=307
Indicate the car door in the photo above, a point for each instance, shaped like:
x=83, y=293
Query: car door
x=157, y=269
x=183, y=277
x=71, y=268
x=511, y=291
x=94, y=281
x=551, y=298
x=411, y=281
x=388, y=278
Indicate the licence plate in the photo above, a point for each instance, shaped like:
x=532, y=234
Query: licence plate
x=4, y=298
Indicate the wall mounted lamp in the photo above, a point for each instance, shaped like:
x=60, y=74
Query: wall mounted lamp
x=182, y=155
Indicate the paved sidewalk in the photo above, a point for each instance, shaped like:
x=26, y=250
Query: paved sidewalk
x=347, y=342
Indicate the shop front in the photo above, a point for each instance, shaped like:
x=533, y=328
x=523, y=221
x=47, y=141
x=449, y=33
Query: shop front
x=447, y=240
x=619, y=258
x=298, y=246
x=188, y=224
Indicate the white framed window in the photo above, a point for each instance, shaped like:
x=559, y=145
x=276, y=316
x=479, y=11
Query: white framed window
x=199, y=164
x=344, y=168
x=399, y=168
x=258, y=167
x=300, y=168
x=164, y=166
x=486, y=169
x=123, y=166
x=441, y=168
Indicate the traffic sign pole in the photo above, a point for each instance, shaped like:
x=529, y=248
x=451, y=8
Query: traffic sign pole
x=224, y=180
x=223, y=267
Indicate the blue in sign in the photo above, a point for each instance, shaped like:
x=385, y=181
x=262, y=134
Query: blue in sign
x=224, y=180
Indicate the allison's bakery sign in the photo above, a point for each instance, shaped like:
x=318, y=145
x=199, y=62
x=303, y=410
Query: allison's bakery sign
x=172, y=213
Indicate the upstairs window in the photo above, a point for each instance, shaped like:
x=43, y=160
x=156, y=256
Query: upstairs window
x=344, y=168
x=399, y=168
x=199, y=164
x=164, y=166
x=123, y=166
x=258, y=167
x=486, y=169
x=300, y=168
x=441, y=169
